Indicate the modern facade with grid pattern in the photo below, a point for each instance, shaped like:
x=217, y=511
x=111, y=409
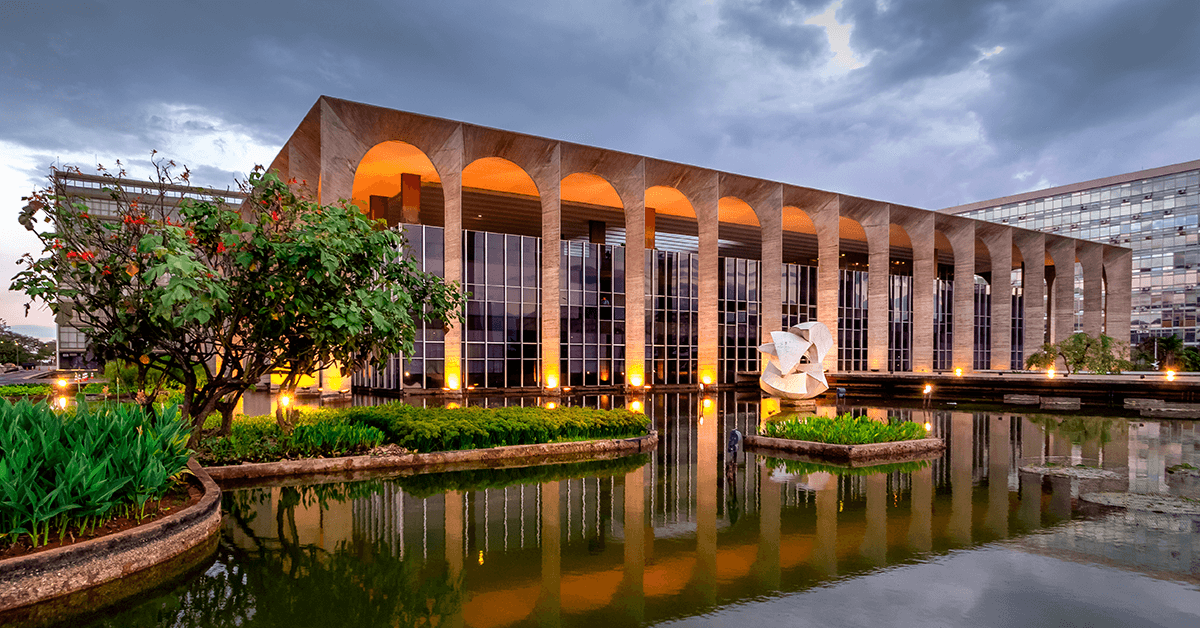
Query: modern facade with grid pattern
x=1155, y=213
x=544, y=234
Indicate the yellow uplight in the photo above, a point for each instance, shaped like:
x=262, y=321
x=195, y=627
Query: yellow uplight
x=928, y=427
x=928, y=388
x=550, y=406
x=1050, y=373
x=551, y=381
x=635, y=380
x=285, y=400
x=958, y=372
x=707, y=403
x=452, y=381
x=707, y=379
x=452, y=405
x=1170, y=376
x=635, y=406
x=62, y=383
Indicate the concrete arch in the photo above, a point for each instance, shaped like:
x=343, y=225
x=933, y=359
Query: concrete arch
x=669, y=207
x=799, y=237
x=516, y=209
x=592, y=209
x=392, y=172
x=739, y=232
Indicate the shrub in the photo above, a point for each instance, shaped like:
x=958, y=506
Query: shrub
x=259, y=439
x=83, y=467
x=842, y=430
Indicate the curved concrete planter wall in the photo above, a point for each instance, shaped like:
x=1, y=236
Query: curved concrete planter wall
x=357, y=467
x=864, y=454
x=93, y=573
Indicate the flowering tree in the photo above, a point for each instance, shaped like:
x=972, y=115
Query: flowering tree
x=216, y=296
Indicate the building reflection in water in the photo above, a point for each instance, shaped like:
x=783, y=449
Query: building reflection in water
x=681, y=532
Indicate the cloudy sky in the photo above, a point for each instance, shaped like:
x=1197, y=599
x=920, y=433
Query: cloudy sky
x=929, y=103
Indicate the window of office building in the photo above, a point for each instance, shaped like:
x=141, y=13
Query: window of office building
x=1017, y=362
x=982, y=355
x=900, y=318
x=672, y=315
x=852, y=320
x=799, y=294
x=738, y=306
x=425, y=366
x=943, y=318
x=502, y=335
x=592, y=297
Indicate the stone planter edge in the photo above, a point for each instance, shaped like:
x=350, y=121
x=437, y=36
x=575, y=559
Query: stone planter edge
x=846, y=453
x=43, y=576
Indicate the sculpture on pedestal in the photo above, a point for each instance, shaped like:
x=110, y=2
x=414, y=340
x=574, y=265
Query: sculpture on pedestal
x=794, y=362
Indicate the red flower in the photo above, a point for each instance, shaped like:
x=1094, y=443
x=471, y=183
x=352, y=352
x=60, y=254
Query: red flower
x=220, y=247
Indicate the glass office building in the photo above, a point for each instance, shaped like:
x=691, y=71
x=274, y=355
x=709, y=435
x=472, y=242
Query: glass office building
x=1156, y=213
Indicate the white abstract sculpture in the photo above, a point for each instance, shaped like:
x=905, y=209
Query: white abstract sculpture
x=794, y=369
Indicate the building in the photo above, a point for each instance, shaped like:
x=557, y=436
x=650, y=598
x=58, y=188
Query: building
x=1155, y=213
x=549, y=237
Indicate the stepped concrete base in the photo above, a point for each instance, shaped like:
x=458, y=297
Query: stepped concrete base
x=1172, y=411
x=1059, y=403
x=1022, y=400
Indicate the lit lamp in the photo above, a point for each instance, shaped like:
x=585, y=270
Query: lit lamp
x=1170, y=376
x=551, y=381
x=550, y=405
x=707, y=403
x=928, y=389
x=635, y=406
x=285, y=400
x=452, y=381
x=1050, y=373
x=635, y=380
x=62, y=383
x=928, y=427
x=706, y=380
x=958, y=372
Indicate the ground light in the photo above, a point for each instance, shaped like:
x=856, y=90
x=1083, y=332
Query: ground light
x=928, y=427
x=1170, y=376
x=285, y=401
x=550, y=405
x=635, y=406
x=1050, y=373
x=958, y=372
x=928, y=389
x=62, y=383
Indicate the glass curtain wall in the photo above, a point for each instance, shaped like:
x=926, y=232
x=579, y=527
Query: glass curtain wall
x=900, y=317
x=943, y=318
x=425, y=367
x=672, y=313
x=502, y=339
x=738, y=305
x=592, y=297
x=799, y=294
x=852, y=320
x=1017, y=362
x=982, y=358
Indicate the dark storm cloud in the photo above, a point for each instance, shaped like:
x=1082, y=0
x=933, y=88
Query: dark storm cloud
x=773, y=25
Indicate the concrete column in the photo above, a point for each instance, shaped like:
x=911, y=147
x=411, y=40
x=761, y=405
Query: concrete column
x=633, y=591
x=452, y=155
x=1091, y=256
x=874, y=545
x=921, y=232
x=705, y=206
x=920, y=528
x=1033, y=251
x=551, y=197
x=999, y=243
x=548, y=609
x=878, y=228
x=826, y=220
x=1118, y=272
x=767, y=565
x=961, y=484
x=770, y=313
x=1062, y=250
x=962, y=238
x=1032, y=441
x=635, y=275
x=999, y=449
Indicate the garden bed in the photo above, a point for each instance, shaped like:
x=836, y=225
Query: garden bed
x=362, y=467
x=845, y=439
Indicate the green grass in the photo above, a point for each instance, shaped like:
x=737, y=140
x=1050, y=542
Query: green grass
x=74, y=470
x=26, y=390
x=842, y=430
x=351, y=431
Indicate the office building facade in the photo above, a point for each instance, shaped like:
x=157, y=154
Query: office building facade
x=1155, y=213
x=595, y=268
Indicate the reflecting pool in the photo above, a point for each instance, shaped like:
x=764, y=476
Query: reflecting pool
x=692, y=535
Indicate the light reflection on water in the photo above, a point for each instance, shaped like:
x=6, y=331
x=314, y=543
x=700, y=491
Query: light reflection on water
x=681, y=535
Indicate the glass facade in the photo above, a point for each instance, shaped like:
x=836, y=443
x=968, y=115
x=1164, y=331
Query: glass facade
x=943, y=318
x=799, y=294
x=502, y=334
x=592, y=325
x=1157, y=217
x=982, y=358
x=852, y=320
x=672, y=314
x=900, y=319
x=738, y=306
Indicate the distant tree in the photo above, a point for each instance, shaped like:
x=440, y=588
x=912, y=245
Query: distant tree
x=18, y=348
x=1081, y=352
x=1167, y=353
x=215, y=296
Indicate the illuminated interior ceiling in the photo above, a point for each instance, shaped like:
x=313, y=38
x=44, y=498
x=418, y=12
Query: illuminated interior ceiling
x=378, y=174
x=734, y=210
x=591, y=189
x=669, y=201
x=794, y=219
x=898, y=237
x=850, y=229
x=499, y=175
x=1017, y=258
